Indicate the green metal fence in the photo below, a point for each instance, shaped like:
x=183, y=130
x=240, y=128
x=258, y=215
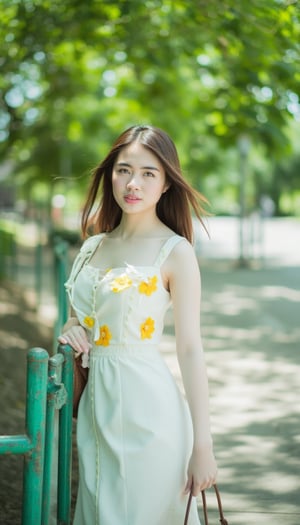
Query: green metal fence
x=49, y=388
x=61, y=255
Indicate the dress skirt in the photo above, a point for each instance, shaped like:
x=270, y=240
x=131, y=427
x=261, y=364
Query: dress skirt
x=134, y=437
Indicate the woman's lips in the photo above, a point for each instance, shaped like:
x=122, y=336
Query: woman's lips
x=131, y=199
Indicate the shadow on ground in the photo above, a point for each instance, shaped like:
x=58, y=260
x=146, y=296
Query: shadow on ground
x=20, y=329
x=251, y=334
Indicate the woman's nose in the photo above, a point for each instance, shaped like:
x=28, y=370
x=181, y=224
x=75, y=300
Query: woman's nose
x=133, y=182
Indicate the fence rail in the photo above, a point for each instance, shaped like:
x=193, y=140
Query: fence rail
x=49, y=388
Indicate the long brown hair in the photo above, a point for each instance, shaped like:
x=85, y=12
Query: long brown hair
x=174, y=206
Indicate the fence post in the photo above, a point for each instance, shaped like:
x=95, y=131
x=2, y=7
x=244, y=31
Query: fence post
x=38, y=271
x=65, y=441
x=61, y=264
x=37, y=370
x=57, y=396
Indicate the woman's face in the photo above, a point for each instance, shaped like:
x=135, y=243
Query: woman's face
x=138, y=179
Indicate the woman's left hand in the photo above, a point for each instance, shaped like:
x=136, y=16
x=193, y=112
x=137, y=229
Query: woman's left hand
x=202, y=470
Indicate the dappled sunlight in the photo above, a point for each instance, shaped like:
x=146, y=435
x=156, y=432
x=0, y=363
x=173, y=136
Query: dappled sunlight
x=230, y=335
x=282, y=292
x=8, y=309
x=251, y=390
x=13, y=340
x=288, y=337
x=229, y=304
x=251, y=335
x=287, y=484
x=20, y=329
x=257, y=338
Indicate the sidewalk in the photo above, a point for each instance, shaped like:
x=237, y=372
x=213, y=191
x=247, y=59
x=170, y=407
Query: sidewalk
x=251, y=333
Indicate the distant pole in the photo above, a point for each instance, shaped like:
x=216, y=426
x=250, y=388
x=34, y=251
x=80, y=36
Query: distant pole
x=243, y=148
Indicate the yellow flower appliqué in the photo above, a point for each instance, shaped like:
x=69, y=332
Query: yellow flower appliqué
x=121, y=283
x=148, y=287
x=105, y=336
x=89, y=321
x=147, y=328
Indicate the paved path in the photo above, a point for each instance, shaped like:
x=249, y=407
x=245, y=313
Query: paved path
x=251, y=332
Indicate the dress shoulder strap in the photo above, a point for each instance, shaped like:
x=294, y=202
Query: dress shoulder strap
x=167, y=248
x=86, y=251
x=90, y=244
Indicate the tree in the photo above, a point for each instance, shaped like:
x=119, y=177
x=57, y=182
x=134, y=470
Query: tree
x=75, y=73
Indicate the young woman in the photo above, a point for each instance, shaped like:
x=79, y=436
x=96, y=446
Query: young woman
x=141, y=444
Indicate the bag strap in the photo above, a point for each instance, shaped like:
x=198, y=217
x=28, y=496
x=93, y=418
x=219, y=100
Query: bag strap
x=223, y=521
x=187, y=512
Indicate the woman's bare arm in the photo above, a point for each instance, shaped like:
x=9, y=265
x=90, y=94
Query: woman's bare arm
x=185, y=288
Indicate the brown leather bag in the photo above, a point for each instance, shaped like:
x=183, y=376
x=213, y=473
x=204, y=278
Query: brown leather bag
x=80, y=379
x=223, y=521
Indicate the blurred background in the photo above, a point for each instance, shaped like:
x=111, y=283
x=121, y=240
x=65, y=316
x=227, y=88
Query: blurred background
x=223, y=79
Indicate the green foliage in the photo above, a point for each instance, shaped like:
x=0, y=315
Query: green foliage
x=74, y=74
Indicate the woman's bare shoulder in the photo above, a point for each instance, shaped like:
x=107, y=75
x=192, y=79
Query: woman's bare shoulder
x=182, y=259
x=182, y=249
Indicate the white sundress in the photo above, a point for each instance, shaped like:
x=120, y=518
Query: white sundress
x=134, y=429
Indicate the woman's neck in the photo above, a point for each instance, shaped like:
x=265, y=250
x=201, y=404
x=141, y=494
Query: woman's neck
x=132, y=228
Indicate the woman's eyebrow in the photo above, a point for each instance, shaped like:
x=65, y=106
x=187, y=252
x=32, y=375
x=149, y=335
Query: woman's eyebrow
x=142, y=167
x=150, y=168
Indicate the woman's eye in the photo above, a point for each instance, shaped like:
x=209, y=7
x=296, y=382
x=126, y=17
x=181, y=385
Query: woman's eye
x=148, y=174
x=123, y=170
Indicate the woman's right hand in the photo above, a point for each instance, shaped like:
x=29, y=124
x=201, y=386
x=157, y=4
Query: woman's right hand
x=75, y=336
